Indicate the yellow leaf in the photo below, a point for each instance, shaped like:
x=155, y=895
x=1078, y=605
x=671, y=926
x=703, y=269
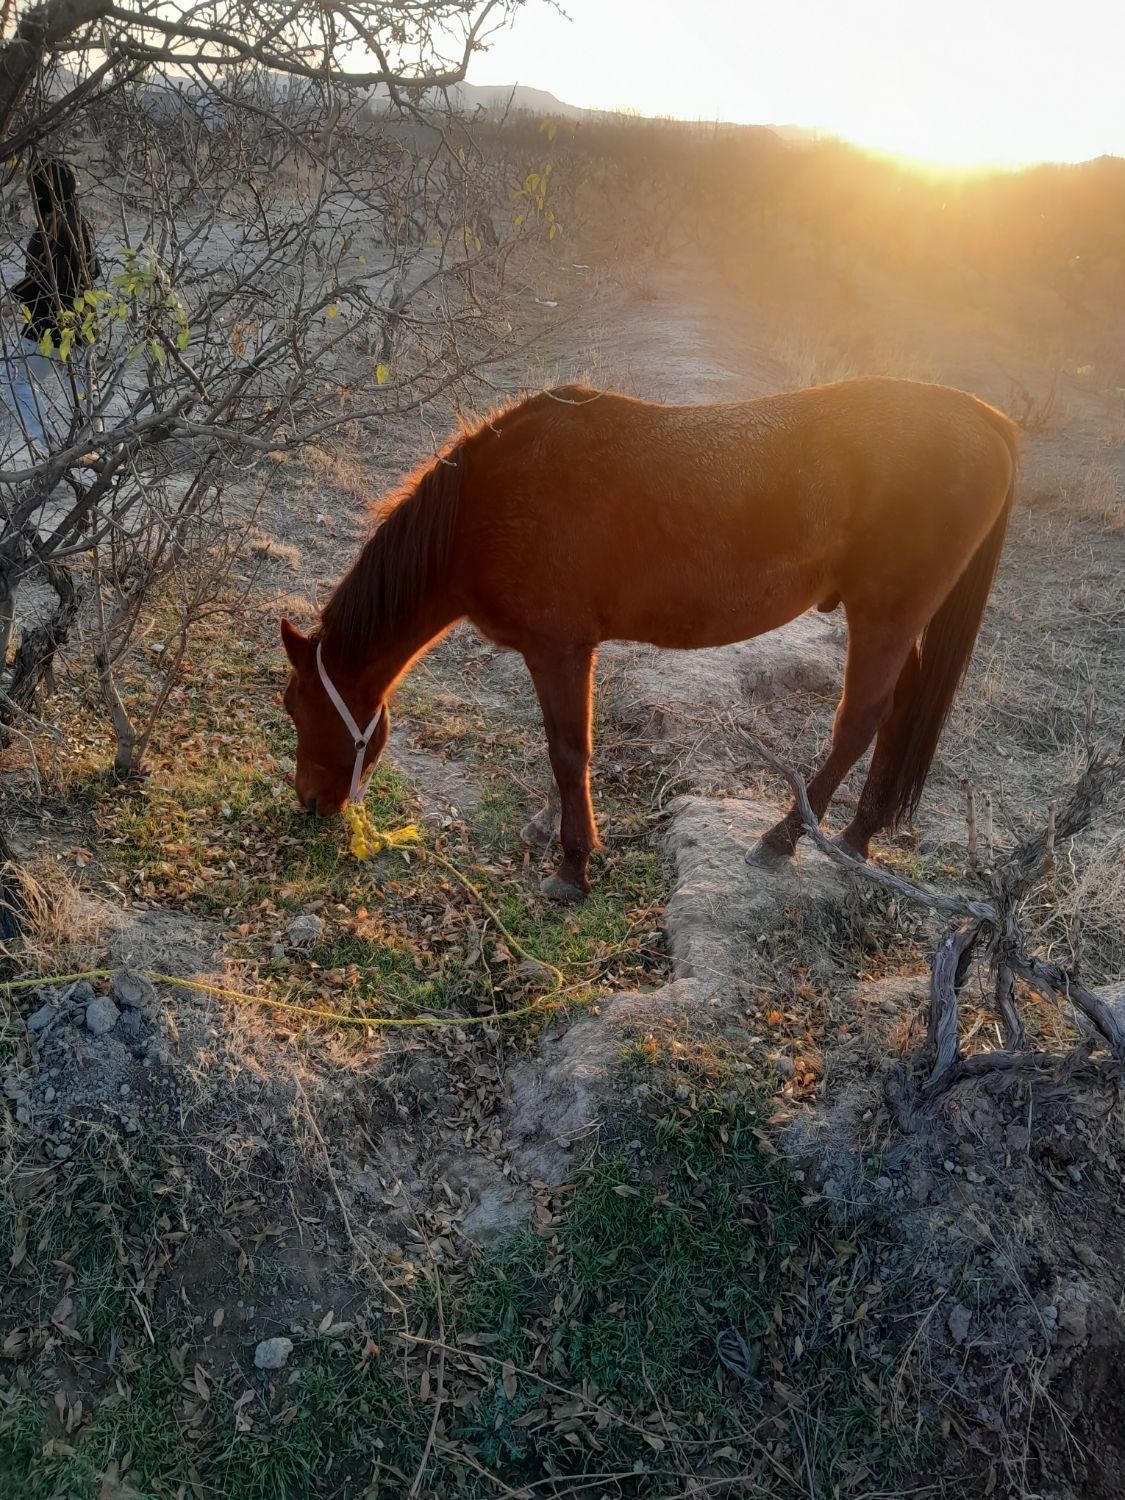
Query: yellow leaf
x=382, y=374
x=333, y=310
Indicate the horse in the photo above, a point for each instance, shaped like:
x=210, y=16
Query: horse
x=580, y=516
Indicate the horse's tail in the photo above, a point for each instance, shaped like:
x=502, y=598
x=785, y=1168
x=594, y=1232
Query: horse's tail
x=932, y=675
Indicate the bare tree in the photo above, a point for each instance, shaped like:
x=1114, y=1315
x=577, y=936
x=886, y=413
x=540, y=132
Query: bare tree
x=295, y=242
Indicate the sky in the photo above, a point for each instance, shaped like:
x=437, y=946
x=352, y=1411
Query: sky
x=962, y=82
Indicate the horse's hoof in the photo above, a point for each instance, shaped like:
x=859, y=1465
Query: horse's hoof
x=765, y=856
x=565, y=892
x=861, y=855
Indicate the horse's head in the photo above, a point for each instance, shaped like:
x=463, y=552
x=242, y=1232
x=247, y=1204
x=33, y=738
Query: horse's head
x=341, y=731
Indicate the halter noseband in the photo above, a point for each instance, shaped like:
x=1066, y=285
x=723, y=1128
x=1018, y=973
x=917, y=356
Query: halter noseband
x=362, y=738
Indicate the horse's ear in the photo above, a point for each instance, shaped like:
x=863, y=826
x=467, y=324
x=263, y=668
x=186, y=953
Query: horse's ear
x=296, y=645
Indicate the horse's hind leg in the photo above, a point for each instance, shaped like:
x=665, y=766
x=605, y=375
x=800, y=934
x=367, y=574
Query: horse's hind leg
x=880, y=790
x=563, y=678
x=546, y=825
x=875, y=658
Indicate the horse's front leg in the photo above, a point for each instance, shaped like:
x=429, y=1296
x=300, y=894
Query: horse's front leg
x=564, y=676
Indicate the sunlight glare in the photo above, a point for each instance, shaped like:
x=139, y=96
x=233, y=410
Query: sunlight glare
x=961, y=83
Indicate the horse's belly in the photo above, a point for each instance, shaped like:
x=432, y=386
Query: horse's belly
x=712, y=612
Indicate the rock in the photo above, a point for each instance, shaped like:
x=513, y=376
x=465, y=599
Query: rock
x=960, y=1319
x=62, y=1151
x=305, y=930
x=132, y=1024
x=80, y=993
x=133, y=990
x=42, y=1018
x=101, y=1015
x=273, y=1354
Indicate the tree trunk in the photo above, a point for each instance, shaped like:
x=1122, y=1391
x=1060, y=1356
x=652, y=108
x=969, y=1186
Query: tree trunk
x=39, y=29
x=35, y=656
x=10, y=904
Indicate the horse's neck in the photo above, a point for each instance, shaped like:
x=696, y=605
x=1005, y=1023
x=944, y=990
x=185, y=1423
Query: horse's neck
x=410, y=639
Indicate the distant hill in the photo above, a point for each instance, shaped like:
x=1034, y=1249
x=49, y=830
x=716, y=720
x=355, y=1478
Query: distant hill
x=492, y=98
x=496, y=98
x=502, y=98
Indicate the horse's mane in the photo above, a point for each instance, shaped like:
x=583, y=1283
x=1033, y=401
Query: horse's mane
x=410, y=552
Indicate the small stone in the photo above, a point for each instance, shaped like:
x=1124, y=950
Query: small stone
x=960, y=1319
x=133, y=990
x=949, y=1165
x=62, y=1151
x=277, y=951
x=80, y=993
x=48, y=1094
x=974, y=1176
x=101, y=1015
x=1073, y=1172
x=889, y=1007
x=42, y=1018
x=132, y=1126
x=305, y=930
x=783, y=1066
x=132, y=1024
x=273, y=1354
x=883, y=1184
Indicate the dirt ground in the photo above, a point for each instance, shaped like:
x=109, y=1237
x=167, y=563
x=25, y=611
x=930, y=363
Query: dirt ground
x=948, y=1316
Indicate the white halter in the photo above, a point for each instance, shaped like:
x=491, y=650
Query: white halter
x=362, y=738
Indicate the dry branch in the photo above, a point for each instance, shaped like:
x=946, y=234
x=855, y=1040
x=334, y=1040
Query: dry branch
x=994, y=928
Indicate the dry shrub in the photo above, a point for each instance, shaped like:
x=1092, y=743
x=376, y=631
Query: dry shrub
x=843, y=349
x=1098, y=496
x=1080, y=910
x=59, y=928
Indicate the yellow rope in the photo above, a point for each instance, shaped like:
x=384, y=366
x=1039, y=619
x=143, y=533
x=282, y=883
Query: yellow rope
x=372, y=841
x=544, y=1002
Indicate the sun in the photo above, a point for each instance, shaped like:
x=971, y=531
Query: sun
x=958, y=83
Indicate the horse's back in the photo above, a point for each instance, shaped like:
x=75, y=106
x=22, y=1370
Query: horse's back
x=696, y=524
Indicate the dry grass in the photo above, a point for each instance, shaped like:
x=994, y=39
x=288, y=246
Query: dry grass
x=1098, y=496
x=60, y=926
x=817, y=357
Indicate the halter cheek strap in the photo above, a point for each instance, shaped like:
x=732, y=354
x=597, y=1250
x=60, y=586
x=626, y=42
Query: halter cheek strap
x=362, y=737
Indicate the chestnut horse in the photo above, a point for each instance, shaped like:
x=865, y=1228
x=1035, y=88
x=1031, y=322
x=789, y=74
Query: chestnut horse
x=581, y=516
